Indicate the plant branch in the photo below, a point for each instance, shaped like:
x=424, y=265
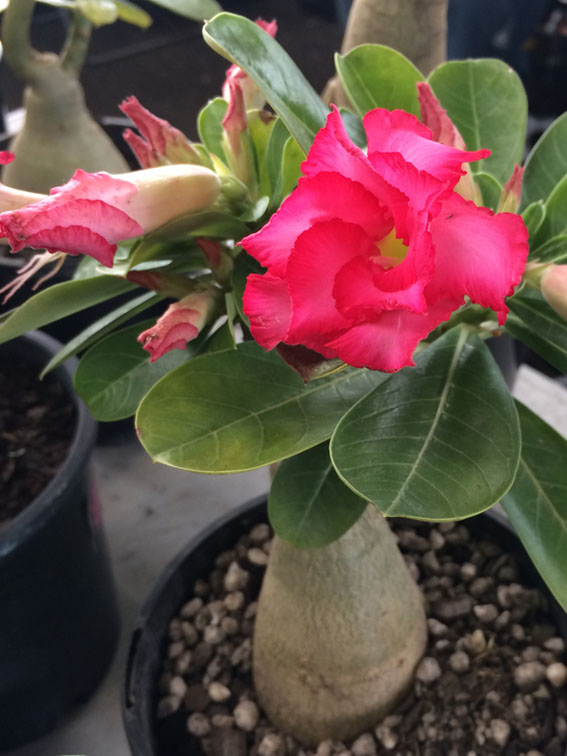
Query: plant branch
x=20, y=55
x=76, y=46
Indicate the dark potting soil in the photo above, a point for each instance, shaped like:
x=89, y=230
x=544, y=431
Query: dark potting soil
x=37, y=422
x=493, y=680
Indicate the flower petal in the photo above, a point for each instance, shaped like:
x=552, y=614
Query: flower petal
x=388, y=343
x=477, y=253
x=268, y=307
x=321, y=198
x=398, y=131
x=74, y=240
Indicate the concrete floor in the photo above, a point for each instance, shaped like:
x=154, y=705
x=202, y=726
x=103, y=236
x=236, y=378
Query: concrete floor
x=150, y=513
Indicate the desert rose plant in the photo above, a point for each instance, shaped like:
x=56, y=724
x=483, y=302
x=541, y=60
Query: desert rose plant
x=335, y=276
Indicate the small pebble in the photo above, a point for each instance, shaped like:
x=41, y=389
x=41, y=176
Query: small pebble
x=459, y=662
x=218, y=692
x=236, y=578
x=260, y=533
x=198, y=724
x=167, y=706
x=222, y=720
x=436, y=628
x=178, y=687
x=234, y=601
x=272, y=744
x=230, y=625
x=246, y=715
x=191, y=608
x=486, y=613
x=325, y=748
x=468, y=571
x=529, y=675
x=557, y=674
x=428, y=670
x=387, y=737
x=175, y=649
x=557, y=645
x=214, y=635
x=476, y=642
x=436, y=539
x=182, y=663
x=500, y=731
x=364, y=745
x=258, y=557
x=190, y=634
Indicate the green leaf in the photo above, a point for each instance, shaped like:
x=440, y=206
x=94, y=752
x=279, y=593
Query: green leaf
x=534, y=322
x=286, y=89
x=552, y=251
x=222, y=339
x=537, y=502
x=533, y=217
x=440, y=441
x=309, y=507
x=238, y=410
x=546, y=164
x=291, y=166
x=243, y=266
x=279, y=137
x=114, y=375
x=59, y=301
x=490, y=189
x=133, y=14
x=101, y=327
x=196, y=10
x=209, y=125
x=354, y=128
x=487, y=102
x=375, y=76
x=98, y=12
x=260, y=130
x=555, y=220
x=213, y=223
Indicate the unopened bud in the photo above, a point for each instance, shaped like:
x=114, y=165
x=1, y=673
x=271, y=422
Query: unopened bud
x=512, y=193
x=554, y=288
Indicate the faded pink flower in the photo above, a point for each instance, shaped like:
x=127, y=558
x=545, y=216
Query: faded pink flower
x=93, y=211
x=160, y=143
x=180, y=323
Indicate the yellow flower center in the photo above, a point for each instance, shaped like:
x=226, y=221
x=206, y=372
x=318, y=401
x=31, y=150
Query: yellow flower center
x=392, y=251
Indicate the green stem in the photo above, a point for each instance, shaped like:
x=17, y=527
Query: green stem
x=20, y=55
x=76, y=46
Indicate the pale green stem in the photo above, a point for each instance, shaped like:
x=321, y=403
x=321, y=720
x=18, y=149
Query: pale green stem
x=76, y=46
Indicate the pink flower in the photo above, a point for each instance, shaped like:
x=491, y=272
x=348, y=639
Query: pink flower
x=252, y=95
x=93, y=211
x=180, y=323
x=160, y=143
x=372, y=252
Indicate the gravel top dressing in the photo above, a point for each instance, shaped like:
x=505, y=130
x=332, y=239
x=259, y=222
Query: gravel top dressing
x=37, y=422
x=493, y=679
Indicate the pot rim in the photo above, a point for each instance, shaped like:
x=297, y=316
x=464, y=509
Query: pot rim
x=40, y=510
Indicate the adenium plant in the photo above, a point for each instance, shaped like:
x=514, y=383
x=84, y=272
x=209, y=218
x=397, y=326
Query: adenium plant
x=333, y=278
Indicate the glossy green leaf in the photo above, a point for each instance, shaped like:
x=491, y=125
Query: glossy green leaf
x=354, y=128
x=537, y=502
x=114, y=375
x=440, y=441
x=243, y=266
x=260, y=125
x=279, y=137
x=546, y=164
x=552, y=251
x=209, y=125
x=196, y=10
x=309, y=506
x=238, y=410
x=213, y=223
x=490, y=189
x=487, y=102
x=533, y=321
x=101, y=327
x=375, y=76
x=292, y=159
x=286, y=89
x=59, y=301
x=222, y=338
x=533, y=217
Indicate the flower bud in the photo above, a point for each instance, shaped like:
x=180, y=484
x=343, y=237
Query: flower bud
x=236, y=139
x=253, y=98
x=180, y=323
x=512, y=193
x=554, y=288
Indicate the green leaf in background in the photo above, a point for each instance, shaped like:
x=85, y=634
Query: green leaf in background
x=533, y=217
x=196, y=10
x=309, y=506
x=243, y=266
x=546, y=164
x=238, y=410
x=133, y=14
x=555, y=220
x=354, y=128
x=279, y=137
x=534, y=322
x=292, y=159
x=375, y=76
x=552, y=251
x=490, y=189
x=101, y=327
x=59, y=301
x=98, y=12
x=286, y=89
x=537, y=502
x=114, y=375
x=487, y=102
x=440, y=441
x=260, y=125
x=222, y=338
x=209, y=125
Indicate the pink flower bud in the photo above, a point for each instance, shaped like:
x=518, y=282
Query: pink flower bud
x=554, y=288
x=180, y=323
x=235, y=136
x=512, y=192
x=160, y=143
x=252, y=95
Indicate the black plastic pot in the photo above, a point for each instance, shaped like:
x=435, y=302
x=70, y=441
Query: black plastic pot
x=196, y=561
x=59, y=617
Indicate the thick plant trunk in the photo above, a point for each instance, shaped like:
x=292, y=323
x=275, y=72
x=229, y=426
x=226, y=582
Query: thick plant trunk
x=416, y=28
x=339, y=632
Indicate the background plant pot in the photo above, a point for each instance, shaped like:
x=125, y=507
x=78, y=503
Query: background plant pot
x=60, y=620
x=173, y=588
